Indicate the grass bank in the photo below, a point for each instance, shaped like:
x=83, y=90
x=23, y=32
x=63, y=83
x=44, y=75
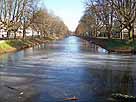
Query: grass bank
x=19, y=44
x=116, y=45
x=121, y=45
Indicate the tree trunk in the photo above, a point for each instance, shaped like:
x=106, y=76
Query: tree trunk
x=121, y=36
x=24, y=33
x=15, y=35
x=24, y=26
x=109, y=34
x=129, y=30
x=130, y=33
x=95, y=32
x=133, y=36
x=8, y=34
x=32, y=34
x=108, y=28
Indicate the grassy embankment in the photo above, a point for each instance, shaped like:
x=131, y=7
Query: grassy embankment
x=114, y=45
x=18, y=44
x=124, y=46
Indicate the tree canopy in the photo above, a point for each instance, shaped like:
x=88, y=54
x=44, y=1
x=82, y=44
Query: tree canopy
x=18, y=15
x=109, y=17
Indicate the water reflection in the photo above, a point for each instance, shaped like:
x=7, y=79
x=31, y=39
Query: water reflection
x=70, y=67
x=72, y=45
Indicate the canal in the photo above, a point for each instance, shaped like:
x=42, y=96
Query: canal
x=66, y=68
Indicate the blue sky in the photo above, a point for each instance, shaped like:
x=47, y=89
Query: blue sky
x=70, y=11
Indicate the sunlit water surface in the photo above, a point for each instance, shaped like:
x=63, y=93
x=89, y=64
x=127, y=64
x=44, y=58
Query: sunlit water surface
x=62, y=69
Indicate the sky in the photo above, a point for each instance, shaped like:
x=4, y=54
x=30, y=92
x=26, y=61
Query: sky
x=70, y=11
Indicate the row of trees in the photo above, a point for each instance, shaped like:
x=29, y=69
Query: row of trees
x=22, y=14
x=48, y=24
x=109, y=17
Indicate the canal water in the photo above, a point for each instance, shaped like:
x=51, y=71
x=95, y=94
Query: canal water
x=64, y=69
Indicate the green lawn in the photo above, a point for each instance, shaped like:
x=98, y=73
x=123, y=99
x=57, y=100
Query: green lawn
x=8, y=45
x=117, y=44
x=4, y=46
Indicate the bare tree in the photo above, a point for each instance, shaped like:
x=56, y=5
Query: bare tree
x=103, y=13
x=22, y=14
x=125, y=12
x=91, y=22
x=15, y=13
x=48, y=24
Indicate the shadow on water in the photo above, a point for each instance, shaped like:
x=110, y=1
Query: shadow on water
x=64, y=69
